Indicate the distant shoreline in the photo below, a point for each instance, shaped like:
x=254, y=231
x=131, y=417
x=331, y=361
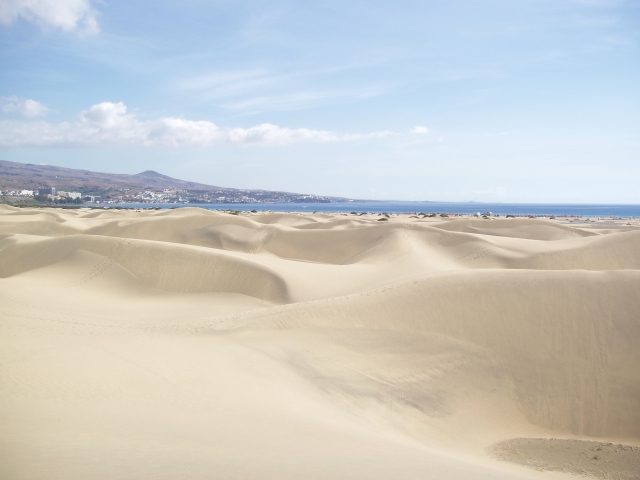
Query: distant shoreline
x=398, y=207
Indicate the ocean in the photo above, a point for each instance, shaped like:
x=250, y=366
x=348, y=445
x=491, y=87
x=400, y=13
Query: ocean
x=536, y=209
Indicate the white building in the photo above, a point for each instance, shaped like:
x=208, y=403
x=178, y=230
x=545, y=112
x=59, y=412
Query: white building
x=72, y=195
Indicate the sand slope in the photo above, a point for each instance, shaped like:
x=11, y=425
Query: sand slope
x=197, y=344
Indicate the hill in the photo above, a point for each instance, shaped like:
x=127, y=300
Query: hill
x=111, y=186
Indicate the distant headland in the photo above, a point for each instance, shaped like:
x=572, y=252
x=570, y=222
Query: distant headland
x=29, y=183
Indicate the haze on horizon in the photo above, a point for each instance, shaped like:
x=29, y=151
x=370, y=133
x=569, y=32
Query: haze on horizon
x=530, y=101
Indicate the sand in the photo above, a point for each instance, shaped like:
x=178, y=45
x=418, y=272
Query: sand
x=197, y=344
x=588, y=458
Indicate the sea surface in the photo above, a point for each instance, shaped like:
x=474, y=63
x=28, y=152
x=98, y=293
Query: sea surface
x=536, y=209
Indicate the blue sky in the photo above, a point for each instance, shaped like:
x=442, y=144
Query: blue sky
x=514, y=101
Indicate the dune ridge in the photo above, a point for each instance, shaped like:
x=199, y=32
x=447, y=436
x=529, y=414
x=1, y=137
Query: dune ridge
x=199, y=344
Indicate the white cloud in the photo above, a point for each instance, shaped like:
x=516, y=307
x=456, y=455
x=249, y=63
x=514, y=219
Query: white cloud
x=28, y=108
x=107, y=115
x=32, y=108
x=418, y=130
x=109, y=123
x=273, y=134
x=68, y=15
x=269, y=134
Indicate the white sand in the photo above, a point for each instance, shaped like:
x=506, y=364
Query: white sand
x=200, y=345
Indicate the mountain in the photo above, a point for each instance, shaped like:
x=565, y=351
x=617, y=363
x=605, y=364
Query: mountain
x=18, y=176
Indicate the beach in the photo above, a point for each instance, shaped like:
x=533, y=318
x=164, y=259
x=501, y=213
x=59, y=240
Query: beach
x=200, y=344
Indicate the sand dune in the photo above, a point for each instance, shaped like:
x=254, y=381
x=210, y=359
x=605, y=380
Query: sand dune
x=197, y=344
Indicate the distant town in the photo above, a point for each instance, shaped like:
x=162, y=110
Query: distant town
x=29, y=184
x=126, y=195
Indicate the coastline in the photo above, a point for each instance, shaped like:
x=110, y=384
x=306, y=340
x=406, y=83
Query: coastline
x=609, y=211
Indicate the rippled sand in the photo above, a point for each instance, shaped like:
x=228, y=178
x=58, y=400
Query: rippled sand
x=202, y=345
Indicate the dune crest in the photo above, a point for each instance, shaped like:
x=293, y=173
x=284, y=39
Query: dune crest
x=191, y=343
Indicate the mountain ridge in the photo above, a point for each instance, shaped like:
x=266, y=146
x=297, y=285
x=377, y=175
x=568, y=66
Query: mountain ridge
x=26, y=176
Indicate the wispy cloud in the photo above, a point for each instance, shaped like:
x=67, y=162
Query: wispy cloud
x=601, y=3
x=109, y=123
x=260, y=90
x=419, y=130
x=26, y=107
x=68, y=15
x=298, y=100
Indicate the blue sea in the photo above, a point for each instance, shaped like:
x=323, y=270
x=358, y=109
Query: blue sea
x=536, y=209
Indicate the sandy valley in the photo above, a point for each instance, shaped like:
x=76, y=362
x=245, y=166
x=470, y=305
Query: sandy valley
x=194, y=344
